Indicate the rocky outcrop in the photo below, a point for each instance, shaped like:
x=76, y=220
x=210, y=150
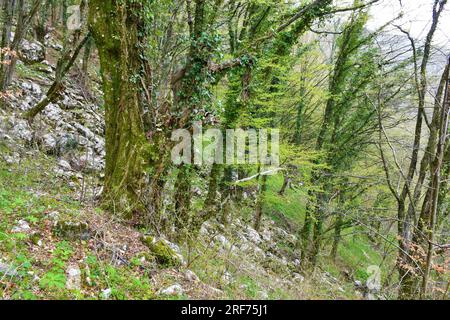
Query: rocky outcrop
x=31, y=52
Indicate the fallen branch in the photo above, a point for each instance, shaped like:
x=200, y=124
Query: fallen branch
x=56, y=88
x=263, y=173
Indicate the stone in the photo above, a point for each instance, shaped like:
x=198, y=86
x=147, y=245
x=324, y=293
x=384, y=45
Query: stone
x=106, y=294
x=227, y=278
x=22, y=227
x=263, y=295
x=73, y=231
x=48, y=143
x=8, y=270
x=31, y=52
x=12, y=159
x=223, y=241
x=33, y=88
x=73, y=281
x=53, y=112
x=163, y=252
x=191, y=276
x=259, y=253
x=63, y=164
x=266, y=235
x=21, y=130
x=174, y=290
x=54, y=215
x=298, y=277
x=253, y=235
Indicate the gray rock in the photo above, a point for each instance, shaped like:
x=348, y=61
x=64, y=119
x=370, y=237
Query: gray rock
x=63, y=164
x=266, y=235
x=263, y=295
x=223, y=241
x=259, y=253
x=22, y=227
x=253, y=235
x=12, y=159
x=191, y=276
x=227, y=278
x=31, y=52
x=298, y=277
x=53, y=112
x=48, y=143
x=73, y=274
x=8, y=270
x=106, y=294
x=21, y=130
x=31, y=88
x=174, y=290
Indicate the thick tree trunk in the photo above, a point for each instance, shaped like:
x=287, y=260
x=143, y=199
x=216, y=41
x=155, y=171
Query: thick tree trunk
x=116, y=29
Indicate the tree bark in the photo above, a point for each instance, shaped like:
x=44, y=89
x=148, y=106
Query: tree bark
x=117, y=30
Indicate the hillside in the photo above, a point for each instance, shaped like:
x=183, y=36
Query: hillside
x=337, y=187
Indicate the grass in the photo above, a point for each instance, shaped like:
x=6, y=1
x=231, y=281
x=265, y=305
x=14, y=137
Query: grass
x=28, y=191
x=291, y=206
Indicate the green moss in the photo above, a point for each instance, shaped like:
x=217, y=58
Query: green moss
x=72, y=230
x=162, y=252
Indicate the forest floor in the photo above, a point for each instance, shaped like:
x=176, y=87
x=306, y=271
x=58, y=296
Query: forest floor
x=52, y=246
x=55, y=243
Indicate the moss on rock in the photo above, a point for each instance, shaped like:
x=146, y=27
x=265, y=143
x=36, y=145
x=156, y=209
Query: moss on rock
x=162, y=252
x=73, y=231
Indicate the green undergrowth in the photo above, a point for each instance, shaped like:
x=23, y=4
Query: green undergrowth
x=38, y=260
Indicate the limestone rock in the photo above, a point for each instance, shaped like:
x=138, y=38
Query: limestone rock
x=31, y=52
x=73, y=281
x=22, y=227
x=174, y=290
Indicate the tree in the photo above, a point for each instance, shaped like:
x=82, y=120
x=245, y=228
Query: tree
x=118, y=30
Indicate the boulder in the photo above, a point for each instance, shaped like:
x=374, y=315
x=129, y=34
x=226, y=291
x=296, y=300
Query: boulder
x=22, y=227
x=191, y=276
x=253, y=235
x=31, y=52
x=73, y=274
x=106, y=294
x=72, y=231
x=21, y=130
x=164, y=254
x=174, y=290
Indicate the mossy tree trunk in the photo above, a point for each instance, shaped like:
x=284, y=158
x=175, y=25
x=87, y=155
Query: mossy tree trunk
x=116, y=29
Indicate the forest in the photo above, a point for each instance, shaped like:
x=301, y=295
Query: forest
x=224, y=150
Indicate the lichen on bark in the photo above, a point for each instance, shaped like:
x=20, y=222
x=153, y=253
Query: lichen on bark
x=116, y=28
